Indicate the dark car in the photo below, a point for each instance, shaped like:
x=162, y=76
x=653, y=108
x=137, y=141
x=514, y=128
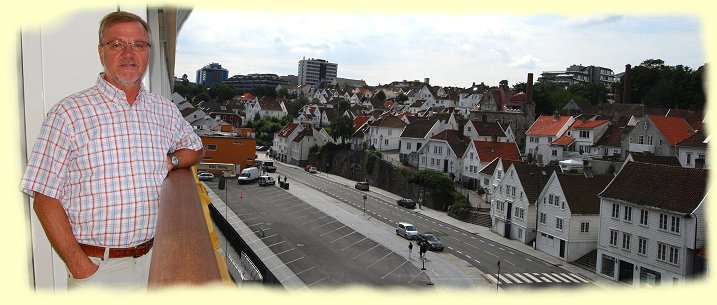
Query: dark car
x=407, y=203
x=363, y=186
x=434, y=244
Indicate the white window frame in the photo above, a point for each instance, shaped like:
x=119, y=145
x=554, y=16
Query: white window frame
x=641, y=246
x=628, y=214
x=584, y=227
x=675, y=224
x=543, y=217
x=663, y=223
x=615, y=211
x=644, y=217
x=558, y=223
x=626, y=241
x=613, y=238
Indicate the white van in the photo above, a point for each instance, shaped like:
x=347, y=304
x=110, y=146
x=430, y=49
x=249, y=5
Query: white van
x=248, y=175
x=266, y=180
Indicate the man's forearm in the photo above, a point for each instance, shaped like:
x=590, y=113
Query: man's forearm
x=186, y=157
x=57, y=228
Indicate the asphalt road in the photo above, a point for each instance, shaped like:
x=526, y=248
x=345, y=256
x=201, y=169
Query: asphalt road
x=320, y=250
x=516, y=268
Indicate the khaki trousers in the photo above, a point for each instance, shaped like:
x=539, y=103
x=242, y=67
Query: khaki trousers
x=123, y=273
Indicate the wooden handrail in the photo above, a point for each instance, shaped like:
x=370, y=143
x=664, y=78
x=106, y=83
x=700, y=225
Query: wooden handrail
x=183, y=253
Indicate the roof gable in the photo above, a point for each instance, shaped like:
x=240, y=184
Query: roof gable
x=488, y=150
x=418, y=129
x=665, y=187
x=581, y=193
x=548, y=125
x=674, y=129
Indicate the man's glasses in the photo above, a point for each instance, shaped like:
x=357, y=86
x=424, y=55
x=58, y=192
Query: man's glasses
x=119, y=45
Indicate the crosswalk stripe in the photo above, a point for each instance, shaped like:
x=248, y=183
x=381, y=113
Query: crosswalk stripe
x=545, y=279
x=533, y=278
x=550, y=277
x=517, y=281
x=560, y=277
x=580, y=278
x=491, y=278
x=505, y=280
x=522, y=277
x=567, y=276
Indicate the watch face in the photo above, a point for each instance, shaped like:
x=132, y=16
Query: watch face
x=175, y=161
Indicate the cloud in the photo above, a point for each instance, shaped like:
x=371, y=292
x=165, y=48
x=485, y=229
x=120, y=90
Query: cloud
x=526, y=61
x=500, y=55
x=592, y=20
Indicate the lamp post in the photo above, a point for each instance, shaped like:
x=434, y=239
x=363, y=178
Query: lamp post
x=380, y=143
x=498, y=281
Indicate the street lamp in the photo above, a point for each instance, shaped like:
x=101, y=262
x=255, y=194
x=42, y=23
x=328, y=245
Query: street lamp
x=380, y=143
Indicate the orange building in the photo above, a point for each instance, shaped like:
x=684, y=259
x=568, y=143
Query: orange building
x=240, y=151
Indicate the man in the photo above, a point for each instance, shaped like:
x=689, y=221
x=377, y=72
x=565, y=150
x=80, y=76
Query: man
x=97, y=167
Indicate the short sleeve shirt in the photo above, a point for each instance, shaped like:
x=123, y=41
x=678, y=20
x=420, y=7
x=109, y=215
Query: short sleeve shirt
x=105, y=161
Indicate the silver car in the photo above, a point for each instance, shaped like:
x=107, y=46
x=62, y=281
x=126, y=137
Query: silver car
x=406, y=230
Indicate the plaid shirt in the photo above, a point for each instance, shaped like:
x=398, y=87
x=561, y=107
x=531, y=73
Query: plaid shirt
x=105, y=161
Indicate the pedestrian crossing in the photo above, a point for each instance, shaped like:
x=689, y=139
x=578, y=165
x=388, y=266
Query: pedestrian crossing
x=536, y=277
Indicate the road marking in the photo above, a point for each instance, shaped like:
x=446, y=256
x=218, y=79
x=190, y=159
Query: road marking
x=560, y=277
x=578, y=277
x=341, y=227
x=314, y=283
x=274, y=244
x=380, y=259
x=468, y=256
x=475, y=260
x=289, y=262
x=399, y=266
x=300, y=272
x=527, y=259
x=300, y=210
x=491, y=254
x=491, y=278
x=533, y=278
x=515, y=279
x=570, y=277
x=459, y=252
x=362, y=253
x=522, y=277
x=505, y=280
x=344, y=248
x=546, y=277
x=342, y=237
x=324, y=224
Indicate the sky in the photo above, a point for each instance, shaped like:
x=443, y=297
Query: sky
x=448, y=48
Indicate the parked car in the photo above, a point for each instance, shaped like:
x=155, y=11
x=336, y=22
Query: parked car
x=406, y=203
x=248, y=175
x=307, y=167
x=434, y=244
x=266, y=180
x=406, y=230
x=205, y=176
x=313, y=170
x=362, y=186
x=269, y=166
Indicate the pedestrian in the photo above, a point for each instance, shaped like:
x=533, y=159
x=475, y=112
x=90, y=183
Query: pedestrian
x=97, y=167
x=410, y=247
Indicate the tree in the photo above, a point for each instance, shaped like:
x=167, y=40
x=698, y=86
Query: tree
x=655, y=84
x=595, y=93
x=221, y=92
x=264, y=91
x=342, y=128
x=296, y=104
x=380, y=96
x=401, y=98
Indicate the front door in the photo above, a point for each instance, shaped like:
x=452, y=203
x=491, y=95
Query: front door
x=445, y=165
x=625, y=274
x=562, y=248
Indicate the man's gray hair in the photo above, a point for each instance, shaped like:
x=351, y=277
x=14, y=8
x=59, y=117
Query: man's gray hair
x=120, y=17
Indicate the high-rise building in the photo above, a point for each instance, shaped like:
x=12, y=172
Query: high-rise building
x=249, y=82
x=211, y=74
x=576, y=74
x=316, y=72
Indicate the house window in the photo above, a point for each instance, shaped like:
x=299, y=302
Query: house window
x=385, y=142
x=513, y=191
x=661, y=252
x=212, y=147
x=689, y=158
x=486, y=182
x=663, y=222
x=471, y=156
x=649, y=140
x=660, y=142
x=615, y=211
x=613, y=238
x=559, y=223
x=542, y=217
x=389, y=132
x=550, y=199
x=408, y=145
x=555, y=152
x=585, y=133
x=557, y=201
x=520, y=233
x=643, y=217
x=640, y=139
x=675, y=225
x=584, y=227
x=674, y=255
x=628, y=214
x=641, y=246
x=626, y=241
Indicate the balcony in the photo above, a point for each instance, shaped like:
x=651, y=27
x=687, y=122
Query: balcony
x=183, y=250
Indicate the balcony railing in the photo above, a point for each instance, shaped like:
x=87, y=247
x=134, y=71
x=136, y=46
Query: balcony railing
x=183, y=252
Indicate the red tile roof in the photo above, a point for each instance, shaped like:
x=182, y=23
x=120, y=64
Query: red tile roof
x=564, y=140
x=675, y=129
x=359, y=121
x=589, y=124
x=548, y=125
x=288, y=129
x=490, y=150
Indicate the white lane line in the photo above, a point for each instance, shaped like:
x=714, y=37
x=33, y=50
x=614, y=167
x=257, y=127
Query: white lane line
x=475, y=260
x=289, y=262
x=344, y=248
x=399, y=266
x=310, y=221
x=300, y=272
x=274, y=244
x=352, y=232
x=516, y=280
x=362, y=253
x=339, y=228
x=533, y=278
x=314, y=283
x=522, y=277
x=557, y=275
x=380, y=259
x=324, y=224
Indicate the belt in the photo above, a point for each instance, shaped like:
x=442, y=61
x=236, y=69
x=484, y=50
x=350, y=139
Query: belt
x=135, y=251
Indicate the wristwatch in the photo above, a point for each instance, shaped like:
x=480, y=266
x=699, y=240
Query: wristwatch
x=175, y=161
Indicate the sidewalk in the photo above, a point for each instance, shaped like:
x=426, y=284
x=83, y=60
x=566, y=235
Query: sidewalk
x=486, y=233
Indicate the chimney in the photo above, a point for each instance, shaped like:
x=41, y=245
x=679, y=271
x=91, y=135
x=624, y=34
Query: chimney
x=529, y=89
x=425, y=80
x=556, y=115
x=627, y=86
